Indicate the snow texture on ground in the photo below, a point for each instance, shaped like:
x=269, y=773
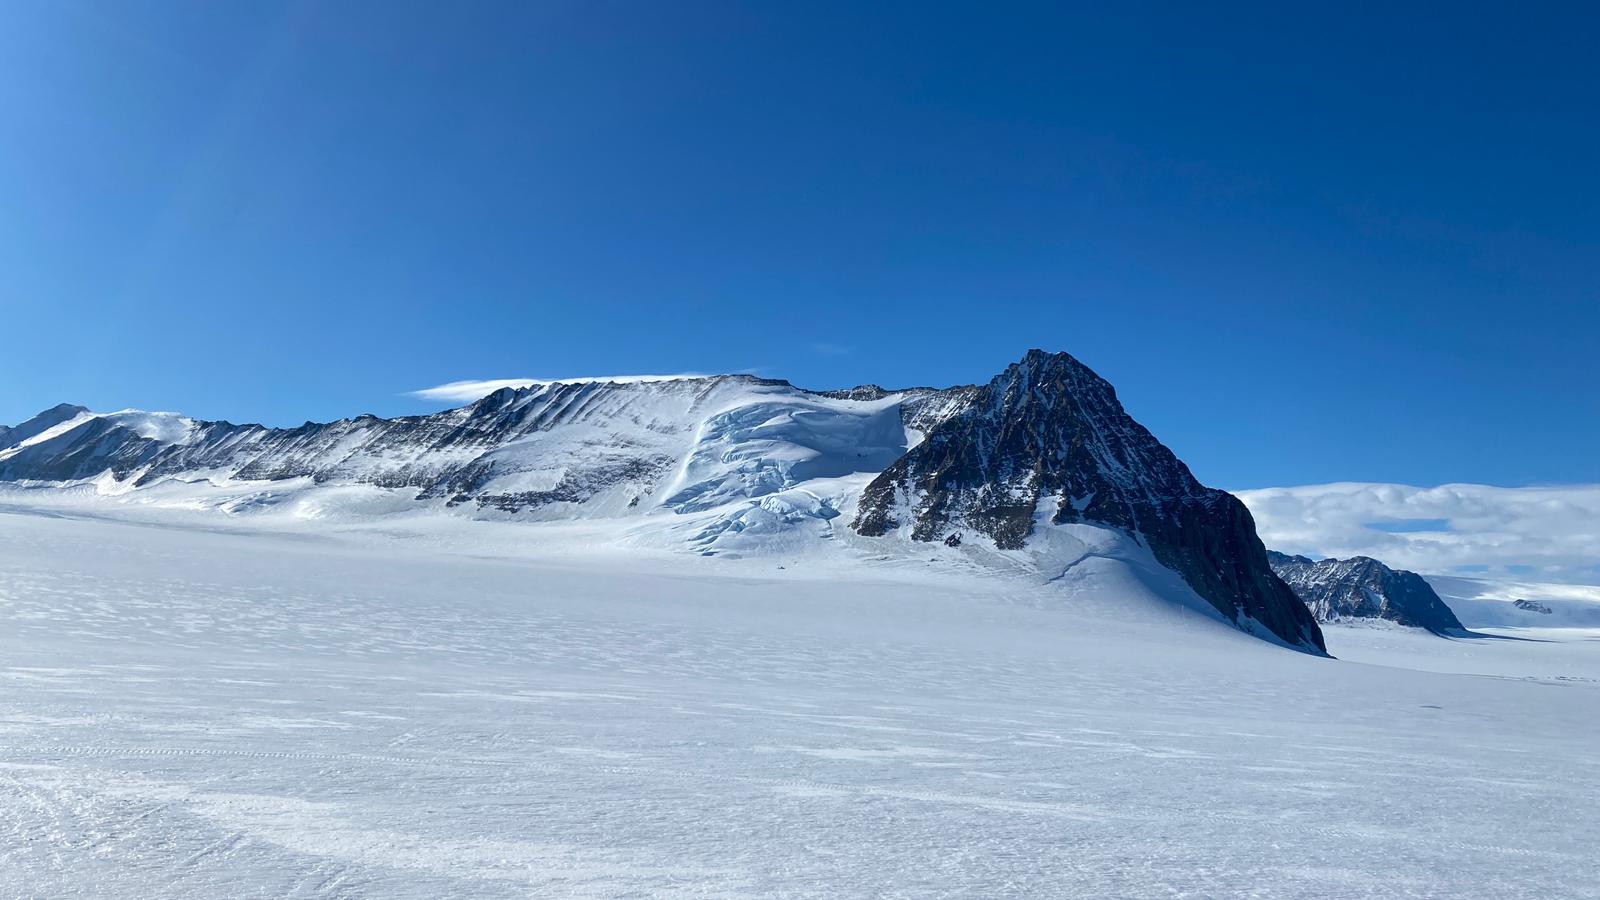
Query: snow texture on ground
x=487, y=710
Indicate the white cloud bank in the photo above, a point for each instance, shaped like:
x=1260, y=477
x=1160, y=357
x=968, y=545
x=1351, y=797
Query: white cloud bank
x=468, y=391
x=1552, y=533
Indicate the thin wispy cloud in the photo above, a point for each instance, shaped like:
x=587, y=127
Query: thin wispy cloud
x=468, y=391
x=1549, y=532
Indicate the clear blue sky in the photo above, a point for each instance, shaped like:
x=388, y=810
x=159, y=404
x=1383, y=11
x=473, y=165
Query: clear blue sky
x=1307, y=244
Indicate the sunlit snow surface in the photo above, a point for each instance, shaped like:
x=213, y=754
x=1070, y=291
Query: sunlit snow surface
x=471, y=709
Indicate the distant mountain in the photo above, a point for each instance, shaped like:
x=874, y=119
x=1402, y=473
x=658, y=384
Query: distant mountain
x=1363, y=588
x=727, y=461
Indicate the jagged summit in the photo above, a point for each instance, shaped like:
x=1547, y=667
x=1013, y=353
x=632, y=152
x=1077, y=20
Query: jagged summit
x=1047, y=425
x=724, y=463
x=1364, y=588
x=1048, y=438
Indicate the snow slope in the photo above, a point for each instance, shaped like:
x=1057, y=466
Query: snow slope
x=422, y=706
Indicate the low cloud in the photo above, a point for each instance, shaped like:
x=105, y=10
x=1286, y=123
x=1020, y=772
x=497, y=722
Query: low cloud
x=468, y=391
x=1549, y=532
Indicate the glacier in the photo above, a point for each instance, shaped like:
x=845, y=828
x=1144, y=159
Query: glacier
x=412, y=705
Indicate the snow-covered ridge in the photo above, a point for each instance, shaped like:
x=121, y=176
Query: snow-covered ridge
x=568, y=448
x=166, y=427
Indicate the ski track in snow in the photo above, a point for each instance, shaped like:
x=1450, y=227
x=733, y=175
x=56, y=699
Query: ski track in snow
x=201, y=714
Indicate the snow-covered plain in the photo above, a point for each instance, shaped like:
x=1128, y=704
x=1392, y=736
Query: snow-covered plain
x=198, y=705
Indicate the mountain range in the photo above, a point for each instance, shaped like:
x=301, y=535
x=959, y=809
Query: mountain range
x=1042, y=463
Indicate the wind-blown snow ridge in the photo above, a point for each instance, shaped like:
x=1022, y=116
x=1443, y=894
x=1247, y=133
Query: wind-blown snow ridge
x=467, y=391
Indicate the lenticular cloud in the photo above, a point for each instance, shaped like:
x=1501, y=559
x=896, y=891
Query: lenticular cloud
x=1555, y=530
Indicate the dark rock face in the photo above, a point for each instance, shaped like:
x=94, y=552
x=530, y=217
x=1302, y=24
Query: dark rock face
x=1362, y=587
x=1532, y=606
x=1049, y=429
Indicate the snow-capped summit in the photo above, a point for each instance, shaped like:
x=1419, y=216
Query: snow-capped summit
x=1042, y=460
x=68, y=442
x=53, y=417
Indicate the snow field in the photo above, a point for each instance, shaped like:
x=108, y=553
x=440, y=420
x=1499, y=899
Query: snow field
x=465, y=709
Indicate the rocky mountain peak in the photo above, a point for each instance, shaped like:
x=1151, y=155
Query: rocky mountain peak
x=1047, y=441
x=1046, y=427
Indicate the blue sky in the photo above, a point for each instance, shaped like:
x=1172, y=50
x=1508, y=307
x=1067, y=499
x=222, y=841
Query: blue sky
x=1307, y=245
